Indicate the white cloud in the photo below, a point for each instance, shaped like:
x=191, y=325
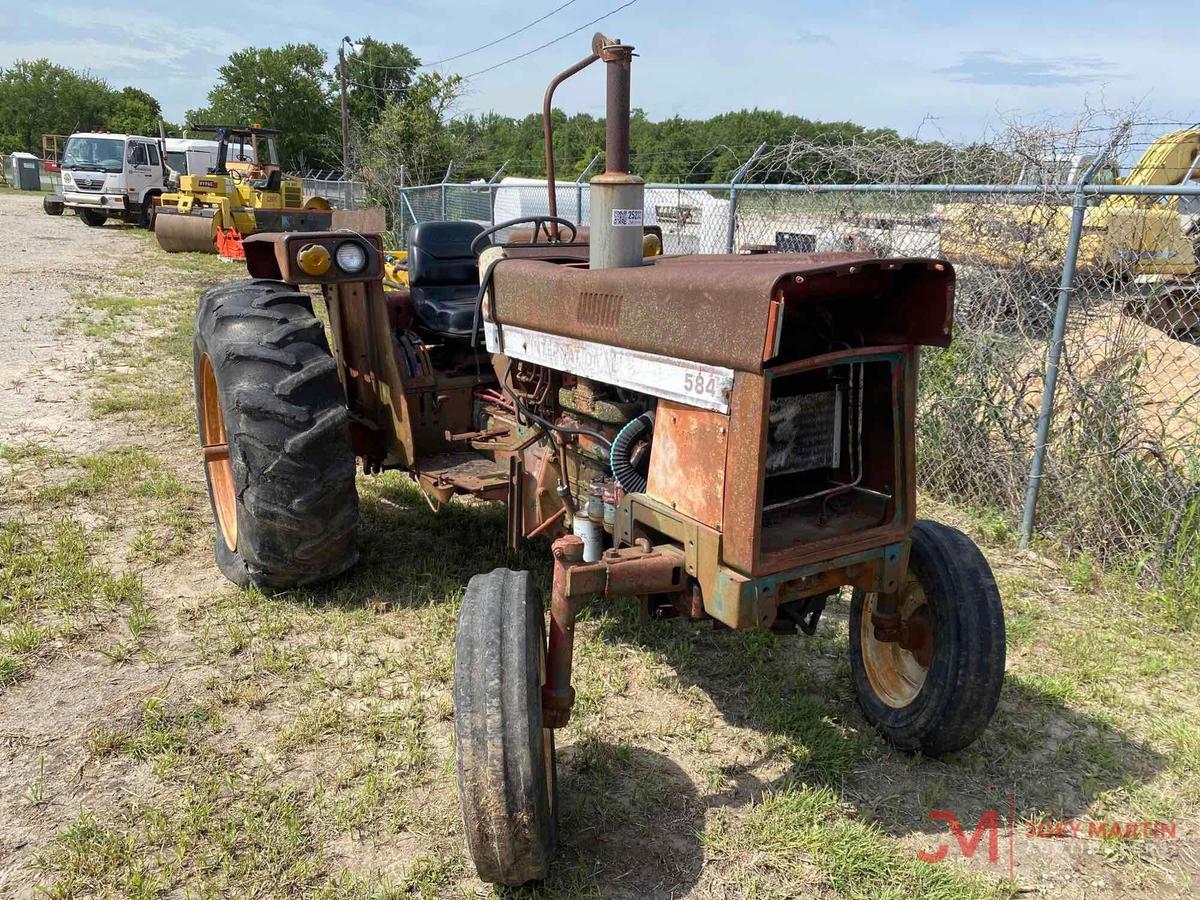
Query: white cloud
x=96, y=56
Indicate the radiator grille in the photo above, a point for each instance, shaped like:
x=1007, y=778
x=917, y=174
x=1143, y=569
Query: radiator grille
x=804, y=432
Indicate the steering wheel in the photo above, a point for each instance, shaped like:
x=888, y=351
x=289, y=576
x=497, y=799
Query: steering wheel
x=538, y=222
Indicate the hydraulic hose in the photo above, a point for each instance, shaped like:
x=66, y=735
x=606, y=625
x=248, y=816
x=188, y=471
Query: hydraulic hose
x=629, y=478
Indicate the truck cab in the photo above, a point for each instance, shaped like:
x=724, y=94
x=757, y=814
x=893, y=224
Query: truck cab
x=112, y=176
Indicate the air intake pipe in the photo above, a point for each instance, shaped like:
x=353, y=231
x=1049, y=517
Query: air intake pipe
x=617, y=198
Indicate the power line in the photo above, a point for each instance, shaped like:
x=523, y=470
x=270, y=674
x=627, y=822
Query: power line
x=554, y=41
x=387, y=91
x=438, y=62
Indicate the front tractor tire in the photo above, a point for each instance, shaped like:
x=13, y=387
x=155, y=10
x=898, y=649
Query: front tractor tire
x=506, y=765
x=273, y=427
x=937, y=695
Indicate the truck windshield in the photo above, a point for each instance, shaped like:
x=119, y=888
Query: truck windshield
x=95, y=154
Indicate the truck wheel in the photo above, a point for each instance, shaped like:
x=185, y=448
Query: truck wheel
x=145, y=216
x=272, y=421
x=53, y=206
x=92, y=218
x=506, y=766
x=938, y=696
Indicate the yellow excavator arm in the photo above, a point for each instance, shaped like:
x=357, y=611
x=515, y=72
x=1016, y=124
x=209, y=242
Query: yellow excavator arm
x=1169, y=160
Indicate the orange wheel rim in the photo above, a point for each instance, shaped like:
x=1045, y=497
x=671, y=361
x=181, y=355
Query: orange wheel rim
x=895, y=673
x=216, y=454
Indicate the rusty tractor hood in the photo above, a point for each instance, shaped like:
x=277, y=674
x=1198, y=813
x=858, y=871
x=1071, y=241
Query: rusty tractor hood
x=724, y=310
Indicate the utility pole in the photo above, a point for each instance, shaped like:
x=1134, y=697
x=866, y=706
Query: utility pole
x=345, y=109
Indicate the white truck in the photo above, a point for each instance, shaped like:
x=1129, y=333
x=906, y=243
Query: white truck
x=117, y=176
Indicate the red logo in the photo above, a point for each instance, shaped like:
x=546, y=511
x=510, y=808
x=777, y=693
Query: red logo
x=987, y=829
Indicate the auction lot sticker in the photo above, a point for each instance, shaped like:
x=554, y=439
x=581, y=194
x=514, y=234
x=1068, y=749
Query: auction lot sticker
x=629, y=217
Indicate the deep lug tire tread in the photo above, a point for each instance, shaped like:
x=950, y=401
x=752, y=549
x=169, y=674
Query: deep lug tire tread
x=963, y=685
x=508, y=807
x=286, y=422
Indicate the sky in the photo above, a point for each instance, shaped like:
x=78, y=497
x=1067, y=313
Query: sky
x=934, y=69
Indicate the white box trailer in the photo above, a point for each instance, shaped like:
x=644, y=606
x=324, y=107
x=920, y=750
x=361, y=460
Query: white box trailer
x=520, y=197
x=187, y=156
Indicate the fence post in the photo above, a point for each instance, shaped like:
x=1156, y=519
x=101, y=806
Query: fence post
x=579, y=189
x=1066, y=287
x=445, y=179
x=738, y=176
x=492, y=190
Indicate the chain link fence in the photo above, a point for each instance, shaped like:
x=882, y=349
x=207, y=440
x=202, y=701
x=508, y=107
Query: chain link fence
x=1076, y=334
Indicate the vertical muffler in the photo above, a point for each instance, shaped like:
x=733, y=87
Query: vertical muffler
x=617, y=197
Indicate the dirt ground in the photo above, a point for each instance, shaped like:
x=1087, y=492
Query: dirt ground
x=163, y=734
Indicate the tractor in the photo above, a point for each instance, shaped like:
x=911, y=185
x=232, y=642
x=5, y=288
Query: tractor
x=244, y=193
x=721, y=438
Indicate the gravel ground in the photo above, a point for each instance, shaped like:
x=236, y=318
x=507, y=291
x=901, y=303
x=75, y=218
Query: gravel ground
x=42, y=365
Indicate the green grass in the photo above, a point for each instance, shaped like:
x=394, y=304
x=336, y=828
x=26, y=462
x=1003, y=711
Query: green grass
x=307, y=748
x=54, y=591
x=800, y=826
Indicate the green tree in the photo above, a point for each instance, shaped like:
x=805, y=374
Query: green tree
x=132, y=111
x=38, y=97
x=414, y=131
x=674, y=149
x=278, y=87
x=413, y=140
x=376, y=72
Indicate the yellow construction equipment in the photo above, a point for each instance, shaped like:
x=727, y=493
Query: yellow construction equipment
x=246, y=192
x=1147, y=237
x=1149, y=243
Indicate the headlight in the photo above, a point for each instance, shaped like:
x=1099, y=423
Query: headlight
x=313, y=260
x=351, y=257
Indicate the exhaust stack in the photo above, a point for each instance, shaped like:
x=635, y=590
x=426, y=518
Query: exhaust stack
x=617, y=197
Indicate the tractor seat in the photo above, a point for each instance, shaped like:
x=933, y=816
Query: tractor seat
x=271, y=184
x=443, y=276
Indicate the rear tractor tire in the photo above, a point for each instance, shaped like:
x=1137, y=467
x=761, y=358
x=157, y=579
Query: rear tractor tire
x=92, y=218
x=506, y=764
x=273, y=426
x=939, y=696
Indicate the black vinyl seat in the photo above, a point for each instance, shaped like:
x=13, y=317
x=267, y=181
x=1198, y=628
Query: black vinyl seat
x=443, y=276
x=273, y=182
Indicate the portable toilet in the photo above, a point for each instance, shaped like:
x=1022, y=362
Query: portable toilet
x=27, y=172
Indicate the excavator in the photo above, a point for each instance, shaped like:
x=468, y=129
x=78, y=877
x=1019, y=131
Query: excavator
x=244, y=193
x=1151, y=242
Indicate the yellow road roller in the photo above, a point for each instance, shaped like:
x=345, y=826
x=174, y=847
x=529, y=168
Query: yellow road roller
x=244, y=193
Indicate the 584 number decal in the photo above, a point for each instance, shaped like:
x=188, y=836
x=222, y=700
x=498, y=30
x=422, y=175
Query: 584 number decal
x=700, y=383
